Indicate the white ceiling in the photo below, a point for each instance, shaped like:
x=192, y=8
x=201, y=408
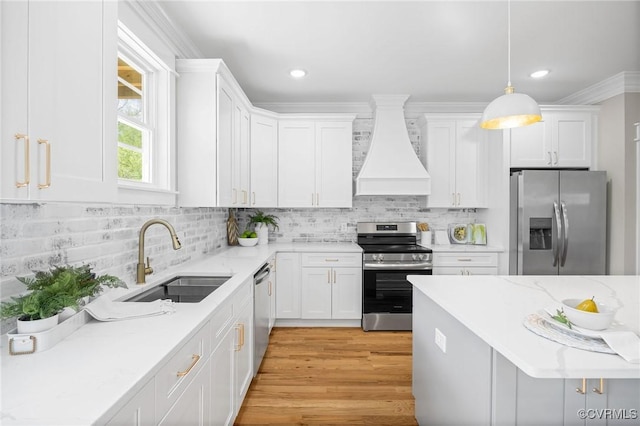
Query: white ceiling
x=435, y=51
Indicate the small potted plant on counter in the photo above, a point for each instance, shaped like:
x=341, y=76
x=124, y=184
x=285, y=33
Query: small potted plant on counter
x=50, y=292
x=262, y=222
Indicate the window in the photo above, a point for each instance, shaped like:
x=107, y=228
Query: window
x=144, y=109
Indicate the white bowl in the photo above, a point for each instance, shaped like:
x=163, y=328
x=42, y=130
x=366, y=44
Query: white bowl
x=590, y=320
x=248, y=242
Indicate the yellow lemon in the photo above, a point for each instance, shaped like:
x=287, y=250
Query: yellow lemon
x=588, y=305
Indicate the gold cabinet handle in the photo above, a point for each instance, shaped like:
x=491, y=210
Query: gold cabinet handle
x=269, y=288
x=334, y=276
x=583, y=389
x=313, y=199
x=240, y=328
x=317, y=198
x=235, y=196
x=453, y=198
x=194, y=360
x=328, y=276
x=27, y=170
x=47, y=171
x=254, y=198
x=555, y=157
x=244, y=196
x=600, y=390
x=464, y=259
x=549, y=162
x=458, y=202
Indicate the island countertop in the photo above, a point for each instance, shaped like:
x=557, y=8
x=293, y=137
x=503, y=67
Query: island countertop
x=495, y=307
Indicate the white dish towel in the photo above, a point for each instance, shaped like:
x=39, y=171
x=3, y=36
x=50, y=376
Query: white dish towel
x=625, y=343
x=104, y=309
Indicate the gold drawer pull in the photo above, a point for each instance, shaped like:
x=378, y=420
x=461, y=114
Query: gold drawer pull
x=600, y=390
x=27, y=172
x=583, y=389
x=195, y=359
x=464, y=259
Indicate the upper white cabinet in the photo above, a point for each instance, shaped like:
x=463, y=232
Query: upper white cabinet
x=456, y=158
x=563, y=138
x=214, y=124
x=59, y=82
x=315, y=162
x=264, y=161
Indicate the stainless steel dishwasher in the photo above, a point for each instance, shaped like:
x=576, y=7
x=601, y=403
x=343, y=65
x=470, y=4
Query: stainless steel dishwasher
x=260, y=315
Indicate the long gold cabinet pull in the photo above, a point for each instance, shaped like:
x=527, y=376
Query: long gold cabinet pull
x=47, y=171
x=244, y=196
x=582, y=390
x=240, y=328
x=27, y=170
x=194, y=360
x=235, y=196
x=600, y=390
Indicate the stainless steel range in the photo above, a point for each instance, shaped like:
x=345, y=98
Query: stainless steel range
x=390, y=253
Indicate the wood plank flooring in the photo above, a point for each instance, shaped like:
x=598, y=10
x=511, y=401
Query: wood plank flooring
x=332, y=376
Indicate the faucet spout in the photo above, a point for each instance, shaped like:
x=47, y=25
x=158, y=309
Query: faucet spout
x=142, y=269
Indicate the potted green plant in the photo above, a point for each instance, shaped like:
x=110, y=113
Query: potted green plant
x=50, y=292
x=262, y=222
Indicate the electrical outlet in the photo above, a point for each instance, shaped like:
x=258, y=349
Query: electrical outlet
x=441, y=341
x=343, y=227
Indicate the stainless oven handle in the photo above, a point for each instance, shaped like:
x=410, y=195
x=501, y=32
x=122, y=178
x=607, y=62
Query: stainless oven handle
x=402, y=266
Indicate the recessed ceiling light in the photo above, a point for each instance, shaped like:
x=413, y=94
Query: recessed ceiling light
x=297, y=73
x=539, y=74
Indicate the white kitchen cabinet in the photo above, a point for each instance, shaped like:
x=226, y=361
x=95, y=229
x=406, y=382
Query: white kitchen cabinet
x=222, y=378
x=463, y=263
x=456, y=158
x=288, y=285
x=563, y=138
x=315, y=162
x=139, y=411
x=272, y=293
x=331, y=286
x=194, y=405
x=213, y=132
x=243, y=362
x=264, y=161
x=52, y=117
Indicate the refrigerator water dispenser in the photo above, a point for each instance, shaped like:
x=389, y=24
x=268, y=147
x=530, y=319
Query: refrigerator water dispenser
x=540, y=233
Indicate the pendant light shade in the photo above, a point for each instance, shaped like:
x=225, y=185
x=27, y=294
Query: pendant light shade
x=511, y=109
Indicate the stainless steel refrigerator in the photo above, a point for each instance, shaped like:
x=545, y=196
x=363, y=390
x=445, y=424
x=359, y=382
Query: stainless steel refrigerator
x=558, y=222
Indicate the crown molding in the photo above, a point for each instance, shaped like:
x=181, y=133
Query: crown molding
x=154, y=15
x=624, y=82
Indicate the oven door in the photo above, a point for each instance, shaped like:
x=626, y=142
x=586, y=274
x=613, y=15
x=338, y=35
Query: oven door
x=387, y=298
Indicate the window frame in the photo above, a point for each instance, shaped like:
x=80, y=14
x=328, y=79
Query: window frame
x=158, y=100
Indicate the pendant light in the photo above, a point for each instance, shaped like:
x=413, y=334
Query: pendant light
x=511, y=109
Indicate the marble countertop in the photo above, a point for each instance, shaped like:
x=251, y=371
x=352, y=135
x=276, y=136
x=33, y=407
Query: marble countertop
x=494, y=308
x=88, y=376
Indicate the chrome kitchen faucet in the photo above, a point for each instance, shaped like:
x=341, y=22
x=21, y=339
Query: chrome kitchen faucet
x=143, y=270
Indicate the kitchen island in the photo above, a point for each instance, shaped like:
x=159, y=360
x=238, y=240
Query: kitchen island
x=474, y=362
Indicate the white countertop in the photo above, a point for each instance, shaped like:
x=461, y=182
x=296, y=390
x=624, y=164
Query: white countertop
x=494, y=308
x=88, y=376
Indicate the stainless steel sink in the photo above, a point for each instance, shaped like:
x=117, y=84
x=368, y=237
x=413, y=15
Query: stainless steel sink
x=181, y=289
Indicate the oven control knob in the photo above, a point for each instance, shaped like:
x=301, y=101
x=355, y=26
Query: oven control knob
x=380, y=257
x=421, y=257
x=414, y=256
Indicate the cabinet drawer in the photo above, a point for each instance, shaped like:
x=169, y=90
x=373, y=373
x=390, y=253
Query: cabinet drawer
x=332, y=260
x=459, y=270
x=180, y=370
x=464, y=260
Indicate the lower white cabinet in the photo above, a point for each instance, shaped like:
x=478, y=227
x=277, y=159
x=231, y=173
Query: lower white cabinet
x=462, y=263
x=288, y=285
x=331, y=286
x=194, y=405
x=140, y=410
x=243, y=353
x=222, y=379
x=272, y=293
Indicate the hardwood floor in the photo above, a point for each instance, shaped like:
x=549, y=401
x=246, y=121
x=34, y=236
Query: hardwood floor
x=337, y=376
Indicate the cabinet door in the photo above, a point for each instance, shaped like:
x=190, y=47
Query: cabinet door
x=264, y=161
x=296, y=164
x=334, y=175
x=139, y=411
x=227, y=196
x=222, y=380
x=531, y=145
x=288, y=285
x=441, y=137
x=346, y=293
x=14, y=39
x=194, y=405
x=272, y=294
x=571, y=139
x=316, y=293
x=243, y=353
x=240, y=163
x=471, y=162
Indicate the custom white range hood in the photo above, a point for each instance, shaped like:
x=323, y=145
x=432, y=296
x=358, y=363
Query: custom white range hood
x=391, y=166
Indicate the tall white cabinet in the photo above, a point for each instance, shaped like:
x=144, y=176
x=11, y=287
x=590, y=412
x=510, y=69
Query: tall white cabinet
x=456, y=158
x=264, y=160
x=58, y=101
x=315, y=161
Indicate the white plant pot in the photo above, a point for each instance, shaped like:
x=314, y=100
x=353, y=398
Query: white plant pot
x=425, y=238
x=37, y=326
x=263, y=233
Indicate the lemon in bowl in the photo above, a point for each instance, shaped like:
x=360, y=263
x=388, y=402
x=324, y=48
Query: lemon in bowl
x=588, y=313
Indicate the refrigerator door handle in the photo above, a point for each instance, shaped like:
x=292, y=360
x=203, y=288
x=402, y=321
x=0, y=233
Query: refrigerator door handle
x=565, y=221
x=558, y=240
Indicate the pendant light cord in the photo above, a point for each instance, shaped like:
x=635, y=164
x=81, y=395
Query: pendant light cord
x=508, y=43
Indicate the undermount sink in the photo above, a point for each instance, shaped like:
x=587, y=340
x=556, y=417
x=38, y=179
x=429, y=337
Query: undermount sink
x=181, y=289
